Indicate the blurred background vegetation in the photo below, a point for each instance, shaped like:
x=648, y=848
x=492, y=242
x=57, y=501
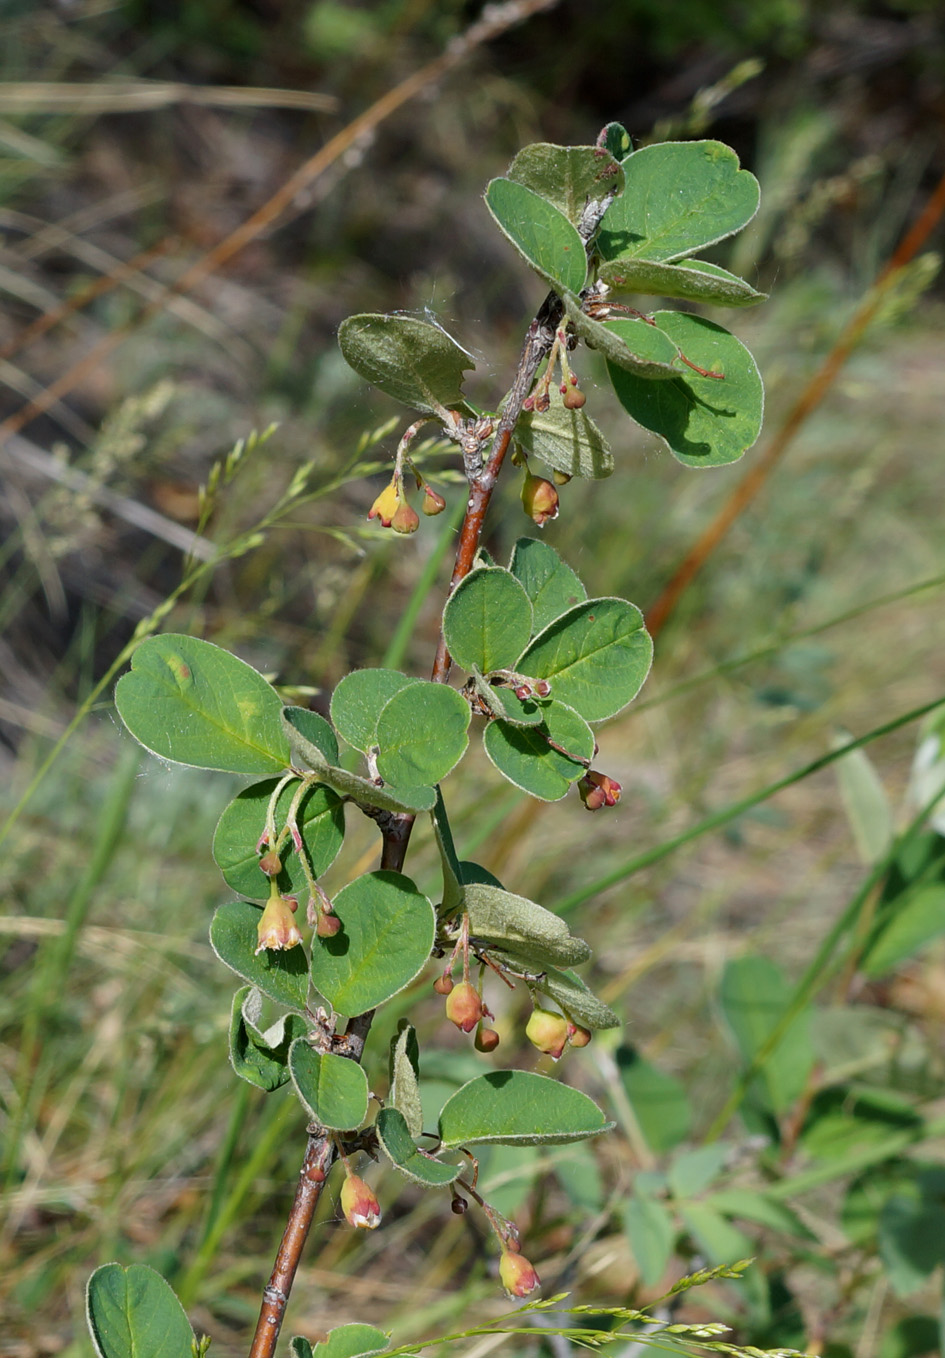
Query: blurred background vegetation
x=135, y=136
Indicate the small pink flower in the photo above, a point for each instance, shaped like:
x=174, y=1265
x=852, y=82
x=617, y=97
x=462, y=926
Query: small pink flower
x=360, y=1206
x=517, y=1275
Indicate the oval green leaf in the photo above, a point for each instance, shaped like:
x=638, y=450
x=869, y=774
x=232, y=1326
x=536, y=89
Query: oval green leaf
x=193, y=703
x=569, y=177
x=282, y=975
x=345, y=1341
x=421, y=734
x=517, y=1107
x=333, y=1088
x=659, y=1101
x=695, y=279
x=387, y=932
x=487, y=620
x=133, y=1313
x=359, y=699
x=551, y=585
x=754, y=997
x=321, y=821
x=542, y=235
x=705, y=421
x=596, y=656
x=523, y=755
x=567, y=440
x=679, y=197
x=399, y=1147
x=310, y=736
x=412, y=360
x=500, y=917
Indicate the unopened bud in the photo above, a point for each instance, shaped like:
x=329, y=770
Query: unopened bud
x=542, y=402
x=463, y=1006
x=327, y=925
x=443, y=984
x=517, y=1275
x=432, y=502
x=597, y=790
x=406, y=519
x=574, y=398
x=486, y=1039
x=548, y=1031
x=270, y=864
x=539, y=499
x=578, y=1036
x=542, y=688
x=360, y=1206
x=386, y=504
x=277, y=929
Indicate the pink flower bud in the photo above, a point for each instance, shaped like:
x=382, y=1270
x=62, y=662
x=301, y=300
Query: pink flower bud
x=517, y=1275
x=359, y=1204
x=597, y=790
x=386, y=504
x=443, y=985
x=270, y=864
x=548, y=1031
x=486, y=1039
x=277, y=929
x=432, y=502
x=327, y=925
x=578, y=1036
x=463, y=1006
x=406, y=519
x=539, y=499
x=574, y=398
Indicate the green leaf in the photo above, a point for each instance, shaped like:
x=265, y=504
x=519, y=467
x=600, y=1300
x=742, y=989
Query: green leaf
x=659, y=1101
x=503, y=702
x=133, y=1313
x=359, y=700
x=758, y=1207
x=412, y=360
x=642, y=349
x=651, y=1233
x=333, y=1088
x=421, y=734
x=912, y=1239
x=570, y=992
x=596, y=656
x=404, y=1065
x=865, y=802
x=487, y=620
x=517, y=1107
x=282, y=975
x=310, y=735
x=616, y=139
x=542, y=235
x=321, y=822
x=692, y=1171
x=696, y=280
x=549, y=582
x=388, y=928
x=524, y=756
x=754, y=995
x=705, y=421
x=345, y=1341
x=498, y=917
x=452, y=874
x=717, y=1239
x=399, y=1147
x=569, y=177
x=679, y=197
x=903, y=930
x=567, y=440
x=193, y=703
x=261, y=1057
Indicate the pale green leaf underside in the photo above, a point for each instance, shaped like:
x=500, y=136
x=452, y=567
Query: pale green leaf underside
x=404, y=1092
x=387, y=932
x=695, y=280
x=412, y=360
x=569, y=177
x=679, y=197
x=333, y=1088
x=543, y=236
x=516, y=1107
x=193, y=703
x=567, y=440
x=261, y=1058
x=705, y=421
x=500, y=917
x=399, y=1147
x=133, y=1313
x=570, y=992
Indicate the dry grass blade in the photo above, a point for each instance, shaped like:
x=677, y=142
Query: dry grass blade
x=141, y=96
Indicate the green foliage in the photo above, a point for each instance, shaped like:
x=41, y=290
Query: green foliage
x=333, y=1089
x=133, y=1313
x=516, y=1107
